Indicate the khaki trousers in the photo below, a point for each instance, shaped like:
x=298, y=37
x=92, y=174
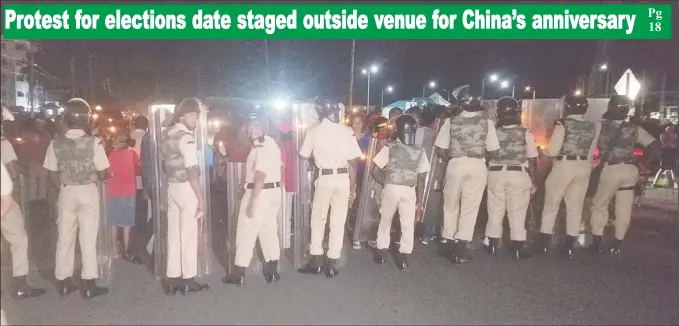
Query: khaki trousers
x=263, y=225
x=403, y=199
x=508, y=191
x=614, y=177
x=14, y=231
x=182, y=231
x=332, y=192
x=78, y=213
x=462, y=194
x=568, y=181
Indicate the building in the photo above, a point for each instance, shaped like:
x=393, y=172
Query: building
x=15, y=88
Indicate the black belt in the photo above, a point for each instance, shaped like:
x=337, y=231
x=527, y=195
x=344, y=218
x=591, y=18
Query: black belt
x=269, y=185
x=507, y=168
x=571, y=157
x=332, y=171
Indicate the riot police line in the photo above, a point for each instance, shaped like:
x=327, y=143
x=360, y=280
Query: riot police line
x=447, y=193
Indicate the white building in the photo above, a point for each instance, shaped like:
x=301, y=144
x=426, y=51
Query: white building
x=15, y=88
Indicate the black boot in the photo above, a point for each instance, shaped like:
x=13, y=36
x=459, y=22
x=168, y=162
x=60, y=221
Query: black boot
x=171, y=285
x=271, y=272
x=237, y=278
x=330, y=268
x=492, y=246
x=597, y=246
x=403, y=261
x=314, y=266
x=461, y=256
x=567, y=249
x=542, y=243
x=65, y=287
x=381, y=256
x=23, y=291
x=189, y=285
x=615, y=250
x=519, y=251
x=91, y=290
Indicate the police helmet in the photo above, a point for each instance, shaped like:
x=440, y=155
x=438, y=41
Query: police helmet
x=188, y=105
x=77, y=113
x=618, y=107
x=508, y=111
x=406, y=127
x=575, y=104
x=466, y=100
x=327, y=108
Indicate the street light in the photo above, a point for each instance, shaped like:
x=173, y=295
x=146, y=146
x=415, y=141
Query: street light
x=389, y=89
x=604, y=68
x=528, y=89
x=97, y=108
x=577, y=92
x=492, y=78
x=431, y=84
x=369, y=71
x=505, y=83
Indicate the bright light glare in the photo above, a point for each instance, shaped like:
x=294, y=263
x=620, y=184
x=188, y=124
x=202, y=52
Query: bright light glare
x=577, y=93
x=364, y=71
x=504, y=84
x=95, y=116
x=603, y=67
x=527, y=88
x=373, y=68
x=390, y=89
x=493, y=77
x=113, y=129
x=279, y=104
x=110, y=120
x=98, y=107
x=432, y=84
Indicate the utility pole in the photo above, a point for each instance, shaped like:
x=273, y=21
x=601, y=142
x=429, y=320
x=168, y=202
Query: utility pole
x=268, y=68
x=200, y=81
x=351, y=74
x=72, y=77
x=31, y=78
x=90, y=78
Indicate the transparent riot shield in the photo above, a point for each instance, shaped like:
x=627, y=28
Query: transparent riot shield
x=105, y=241
x=368, y=214
x=160, y=117
x=432, y=199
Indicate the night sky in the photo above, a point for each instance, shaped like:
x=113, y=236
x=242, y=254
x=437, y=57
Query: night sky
x=305, y=69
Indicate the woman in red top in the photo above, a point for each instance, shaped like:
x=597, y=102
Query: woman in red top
x=121, y=192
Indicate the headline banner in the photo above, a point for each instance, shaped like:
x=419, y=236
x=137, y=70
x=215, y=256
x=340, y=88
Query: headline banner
x=337, y=21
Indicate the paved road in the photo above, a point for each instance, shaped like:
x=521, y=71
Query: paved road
x=639, y=289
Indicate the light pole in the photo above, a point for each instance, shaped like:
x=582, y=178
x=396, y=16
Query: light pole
x=604, y=68
x=528, y=89
x=389, y=89
x=504, y=84
x=432, y=85
x=373, y=69
x=492, y=78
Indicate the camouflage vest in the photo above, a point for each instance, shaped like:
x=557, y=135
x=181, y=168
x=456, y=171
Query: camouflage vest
x=75, y=160
x=578, y=138
x=402, y=166
x=173, y=161
x=468, y=137
x=512, y=146
x=623, y=149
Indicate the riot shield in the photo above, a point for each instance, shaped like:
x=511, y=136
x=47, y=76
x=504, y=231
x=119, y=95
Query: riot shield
x=105, y=241
x=368, y=214
x=432, y=199
x=160, y=116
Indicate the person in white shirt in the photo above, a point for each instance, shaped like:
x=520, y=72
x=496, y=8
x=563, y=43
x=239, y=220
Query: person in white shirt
x=510, y=179
x=464, y=139
x=258, y=214
x=572, y=147
x=335, y=152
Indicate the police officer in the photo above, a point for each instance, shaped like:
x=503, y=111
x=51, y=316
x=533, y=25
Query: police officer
x=400, y=166
x=464, y=139
x=13, y=228
x=81, y=162
x=258, y=213
x=572, y=148
x=185, y=199
x=619, y=174
x=335, y=152
x=510, y=179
